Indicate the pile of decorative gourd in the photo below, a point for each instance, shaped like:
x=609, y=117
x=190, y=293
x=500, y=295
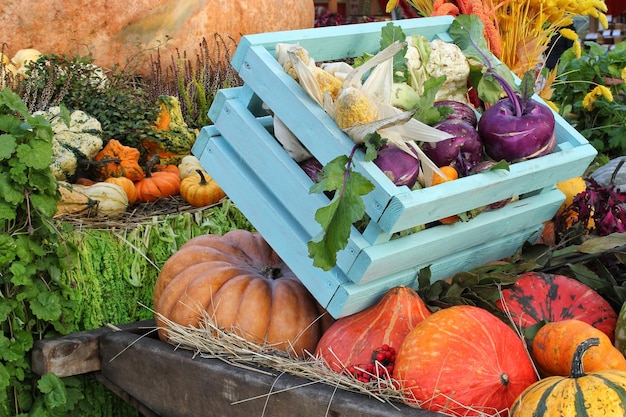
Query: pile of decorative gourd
x=121, y=176
x=460, y=360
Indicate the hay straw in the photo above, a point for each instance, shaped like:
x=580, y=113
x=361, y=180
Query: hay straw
x=138, y=214
x=209, y=341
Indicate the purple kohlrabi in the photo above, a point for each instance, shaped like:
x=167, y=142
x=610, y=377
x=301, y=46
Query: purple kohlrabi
x=462, y=151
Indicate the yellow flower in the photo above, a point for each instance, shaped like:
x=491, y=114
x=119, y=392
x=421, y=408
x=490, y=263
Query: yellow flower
x=569, y=34
x=391, y=4
x=605, y=92
x=577, y=48
x=593, y=95
x=588, y=101
x=603, y=20
x=624, y=74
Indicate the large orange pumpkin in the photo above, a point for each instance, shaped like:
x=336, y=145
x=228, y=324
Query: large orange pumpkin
x=238, y=281
x=463, y=360
x=351, y=340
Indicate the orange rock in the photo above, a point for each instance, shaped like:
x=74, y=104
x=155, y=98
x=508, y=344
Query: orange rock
x=114, y=30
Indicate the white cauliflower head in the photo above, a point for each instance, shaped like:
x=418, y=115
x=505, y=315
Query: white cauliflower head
x=448, y=59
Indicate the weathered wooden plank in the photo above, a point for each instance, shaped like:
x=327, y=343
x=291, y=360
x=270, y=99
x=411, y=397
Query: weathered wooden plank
x=173, y=383
x=73, y=354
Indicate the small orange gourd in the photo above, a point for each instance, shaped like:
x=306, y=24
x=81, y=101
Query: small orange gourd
x=451, y=175
x=554, y=345
x=200, y=189
x=117, y=160
x=127, y=185
x=157, y=184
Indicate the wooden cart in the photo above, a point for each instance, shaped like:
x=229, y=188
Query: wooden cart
x=159, y=380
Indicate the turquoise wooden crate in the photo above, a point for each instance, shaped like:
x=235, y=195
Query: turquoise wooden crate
x=240, y=152
x=272, y=191
x=393, y=208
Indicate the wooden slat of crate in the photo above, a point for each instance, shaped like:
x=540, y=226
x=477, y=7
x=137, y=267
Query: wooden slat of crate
x=439, y=244
x=351, y=298
x=174, y=383
x=268, y=213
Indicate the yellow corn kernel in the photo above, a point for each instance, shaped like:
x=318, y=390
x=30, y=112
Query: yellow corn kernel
x=353, y=108
x=327, y=82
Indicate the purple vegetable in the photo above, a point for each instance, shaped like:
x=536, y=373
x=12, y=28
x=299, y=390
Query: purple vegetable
x=312, y=167
x=459, y=111
x=401, y=167
x=462, y=151
x=516, y=130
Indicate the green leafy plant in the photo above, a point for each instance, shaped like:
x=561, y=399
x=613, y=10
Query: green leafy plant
x=590, y=93
x=32, y=254
x=119, y=100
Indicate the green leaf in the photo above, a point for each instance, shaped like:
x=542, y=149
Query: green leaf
x=601, y=244
x=46, y=306
x=500, y=165
x=8, y=191
x=13, y=102
x=5, y=378
x=467, y=31
x=426, y=111
x=8, y=145
x=44, y=204
x=36, y=154
x=65, y=114
x=337, y=218
x=373, y=142
x=527, y=86
x=54, y=389
x=391, y=33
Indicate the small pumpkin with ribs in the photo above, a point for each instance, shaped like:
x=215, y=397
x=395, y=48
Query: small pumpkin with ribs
x=582, y=393
x=239, y=282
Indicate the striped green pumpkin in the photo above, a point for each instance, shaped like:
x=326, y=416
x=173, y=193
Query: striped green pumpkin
x=603, y=392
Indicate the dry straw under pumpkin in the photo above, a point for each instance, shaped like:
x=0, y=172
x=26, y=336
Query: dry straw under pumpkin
x=209, y=341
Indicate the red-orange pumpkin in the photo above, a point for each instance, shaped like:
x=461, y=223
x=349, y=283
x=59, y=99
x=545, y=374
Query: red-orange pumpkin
x=351, y=340
x=463, y=360
x=540, y=297
x=158, y=184
x=239, y=282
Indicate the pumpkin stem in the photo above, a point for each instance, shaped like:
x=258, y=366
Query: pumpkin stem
x=504, y=379
x=271, y=272
x=203, y=180
x=577, y=362
x=154, y=160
